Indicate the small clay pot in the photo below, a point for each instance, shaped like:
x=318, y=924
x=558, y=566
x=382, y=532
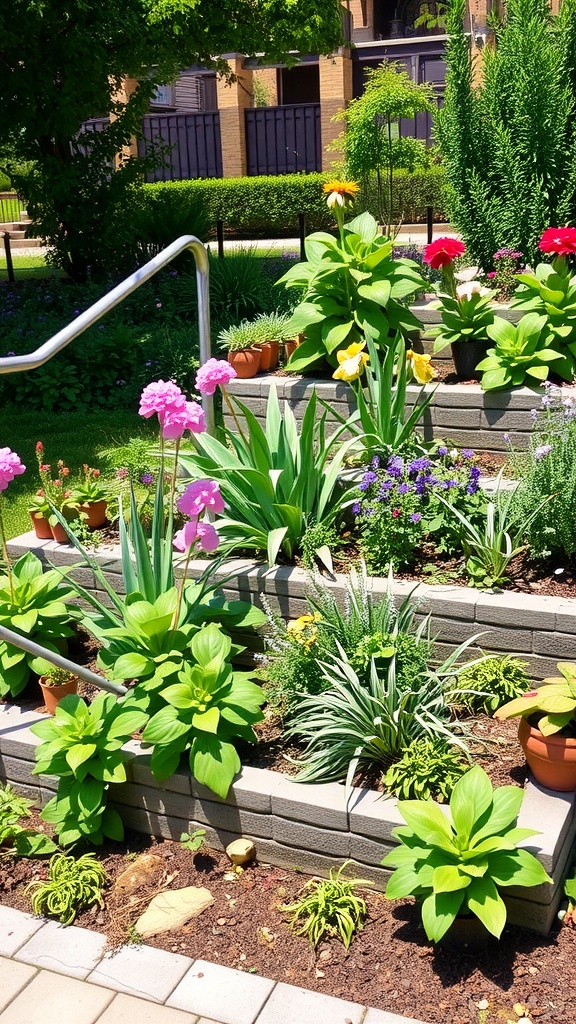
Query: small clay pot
x=551, y=759
x=246, y=362
x=59, y=534
x=269, y=355
x=93, y=513
x=290, y=347
x=41, y=526
x=52, y=695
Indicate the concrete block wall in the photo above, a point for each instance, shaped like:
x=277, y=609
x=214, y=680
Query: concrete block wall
x=293, y=825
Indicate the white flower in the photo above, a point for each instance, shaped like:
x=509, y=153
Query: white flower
x=470, y=288
x=468, y=274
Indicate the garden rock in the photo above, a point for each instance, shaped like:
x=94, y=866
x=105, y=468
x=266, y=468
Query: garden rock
x=168, y=911
x=240, y=851
x=145, y=870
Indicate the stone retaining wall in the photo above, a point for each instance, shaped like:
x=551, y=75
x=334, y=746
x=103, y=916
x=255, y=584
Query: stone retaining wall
x=293, y=825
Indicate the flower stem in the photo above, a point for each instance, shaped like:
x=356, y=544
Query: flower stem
x=232, y=412
x=176, y=616
x=5, y=555
x=174, y=472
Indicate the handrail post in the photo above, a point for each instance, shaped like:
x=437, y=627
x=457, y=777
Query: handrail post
x=9, y=263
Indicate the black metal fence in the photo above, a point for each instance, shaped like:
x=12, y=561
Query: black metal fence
x=283, y=140
x=191, y=143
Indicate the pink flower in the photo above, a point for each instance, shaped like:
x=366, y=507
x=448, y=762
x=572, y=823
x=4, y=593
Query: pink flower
x=199, y=496
x=214, y=373
x=396, y=512
x=561, y=241
x=175, y=420
x=443, y=251
x=160, y=396
x=202, y=534
x=10, y=466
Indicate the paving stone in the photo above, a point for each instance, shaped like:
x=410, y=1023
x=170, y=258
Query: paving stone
x=15, y=929
x=288, y=1003
x=169, y=911
x=19, y=770
x=452, y=602
x=322, y=805
x=373, y=815
x=306, y=837
x=561, y=646
x=151, y=824
x=141, y=970
x=566, y=617
x=156, y=800
x=66, y=949
x=465, y=418
x=51, y=999
x=15, y=737
x=252, y=789
x=551, y=814
x=309, y=861
x=127, y=1010
x=13, y=978
x=367, y=851
x=518, y=610
x=233, y=819
x=221, y=993
x=506, y=420
x=383, y=1017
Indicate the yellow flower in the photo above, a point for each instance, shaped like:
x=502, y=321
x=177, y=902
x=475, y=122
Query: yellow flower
x=340, y=193
x=420, y=366
x=352, y=361
x=303, y=630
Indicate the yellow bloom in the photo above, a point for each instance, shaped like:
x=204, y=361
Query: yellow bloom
x=303, y=630
x=420, y=366
x=340, y=193
x=352, y=362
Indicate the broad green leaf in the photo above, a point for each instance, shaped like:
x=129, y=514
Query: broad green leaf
x=439, y=911
x=207, y=721
x=471, y=798
x=449, y=878
x=214, y=763
x=428, y=822
x=79, y=753
x=506, y=804
x=483, y=899
x=517, y=867
x=132, y=666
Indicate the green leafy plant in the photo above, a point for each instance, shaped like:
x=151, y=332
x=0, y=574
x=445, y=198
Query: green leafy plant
x=89, y=488
x=73, y=884
x=465, y=317
x=82, y=746
x=457, y=863
x=274, y=480
x=328, y=906
x=205, y=711
x=522, y=350
x=486, y=684
x=550, y=291
x=193, y=841
x=57, y=676
x=554, y=702
x=35, y=604
x=354, y=290
x=428, y=769
x=16, y=839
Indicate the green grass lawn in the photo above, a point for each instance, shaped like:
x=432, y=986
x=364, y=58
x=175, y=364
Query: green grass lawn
x=74, y=437
x=27, y=268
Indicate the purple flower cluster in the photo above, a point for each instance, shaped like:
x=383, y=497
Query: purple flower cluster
x=507, y=254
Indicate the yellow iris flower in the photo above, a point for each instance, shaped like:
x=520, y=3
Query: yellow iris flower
x=352, y=362
x=340, y=193
x=420, y=366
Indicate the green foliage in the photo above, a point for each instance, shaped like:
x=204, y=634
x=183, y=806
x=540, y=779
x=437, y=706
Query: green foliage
x=16, y=839
x=82, y=746
x=354, y=290
x=318, y=543
x=551, y=292
x=465, y=318
x=274, y=480
x=239, y=289
x=487, y=684
x=73, y=884
x=58, y=676
x=34, y=604
x=508, y=144
x=209, y=707
x=427, y=769
x=554, y=702
x=265, y=327
x=328, y=906
x=457, y=863
x=523, y=353
x=193, y=841
x=372, y=141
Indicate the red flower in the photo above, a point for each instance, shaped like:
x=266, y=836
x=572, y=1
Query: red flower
x=95, y=473
x=39, y=446
x=561, y=241
x=443, y=251
x=396, y=512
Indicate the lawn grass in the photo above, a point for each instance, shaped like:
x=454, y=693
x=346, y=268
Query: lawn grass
x=27, y=268
x=74, y=437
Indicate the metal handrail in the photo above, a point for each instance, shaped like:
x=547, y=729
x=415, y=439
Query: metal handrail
x=24, y=644
x=12, y=364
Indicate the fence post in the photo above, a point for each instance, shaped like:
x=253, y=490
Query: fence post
x=429, y=222
x=220, y=238
x=302, y=234
x=9, y=264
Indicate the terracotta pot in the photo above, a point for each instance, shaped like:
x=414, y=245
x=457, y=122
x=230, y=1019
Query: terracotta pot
x=468, y=935
x=290, y=347
x=41, y=526
x=52, y=695
x=94, y=513
x=466, y=356
x=552, y=759
x=246, y=362
x=59, y=534
x=269, y=355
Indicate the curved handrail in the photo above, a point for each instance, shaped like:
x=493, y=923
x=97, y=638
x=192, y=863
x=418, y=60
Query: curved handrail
x=12, y=364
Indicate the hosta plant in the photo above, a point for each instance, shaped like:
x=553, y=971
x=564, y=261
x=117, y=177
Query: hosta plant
x=15, y=838
x=456, y=864
x=328, y=906
x=428, y=769
x=73, y=884
x=525, y=352
x=487, y=684
x=550, y=291
x=209, y=707
x=35, y=604
x=82, y=745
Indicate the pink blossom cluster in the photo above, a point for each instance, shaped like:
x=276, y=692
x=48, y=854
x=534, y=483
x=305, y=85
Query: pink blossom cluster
x=10, y=466
x=175, y=413
x=196, y=499
x=214, y=373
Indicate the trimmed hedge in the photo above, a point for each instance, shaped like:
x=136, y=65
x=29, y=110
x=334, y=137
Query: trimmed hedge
x=270, y=205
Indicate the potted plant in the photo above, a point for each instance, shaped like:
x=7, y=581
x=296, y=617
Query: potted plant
x=90, y=497
x=56, y=684
x=39, y=511
x=269, y=333
x=456, y=863
x=58, y=495
x=243, y=354
x=547, y=730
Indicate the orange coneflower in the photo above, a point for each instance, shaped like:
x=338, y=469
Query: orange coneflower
x=340, y=193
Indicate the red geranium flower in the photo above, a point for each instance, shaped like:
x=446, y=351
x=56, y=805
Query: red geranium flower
x=561, y=241
x=443, y=251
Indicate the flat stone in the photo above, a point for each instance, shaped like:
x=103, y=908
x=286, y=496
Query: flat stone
x=222, y=994
x=144, y=870
x=141, y=971
x=168, y=911
x=52, y=999
x=13, y=978
x=16, y=928
x=323, y=804
x=288, y=1003
x=127, y=1009
x=64, y=948
x=241, y=851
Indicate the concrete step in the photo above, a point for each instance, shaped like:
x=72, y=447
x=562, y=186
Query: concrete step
x=20, y=243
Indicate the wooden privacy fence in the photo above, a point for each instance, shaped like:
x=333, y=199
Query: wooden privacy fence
x=191, y=142
x=283, y=140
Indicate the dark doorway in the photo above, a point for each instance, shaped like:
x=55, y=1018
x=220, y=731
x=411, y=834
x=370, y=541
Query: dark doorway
x=299, y=85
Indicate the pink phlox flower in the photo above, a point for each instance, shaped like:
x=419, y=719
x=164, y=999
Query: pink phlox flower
x=200, y=495
x=174, y=421
x=214, y=373
x=202, y=534
x=10, y=466
x=159, y=396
